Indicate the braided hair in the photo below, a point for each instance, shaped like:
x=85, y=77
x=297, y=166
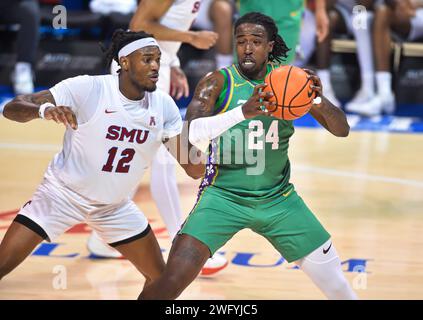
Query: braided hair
x=121, y=38
x=280, y=50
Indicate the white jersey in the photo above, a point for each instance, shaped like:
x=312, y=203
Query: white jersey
x=105, y=158
x=180, y=16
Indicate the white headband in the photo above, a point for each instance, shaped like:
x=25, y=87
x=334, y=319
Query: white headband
x=137, y=44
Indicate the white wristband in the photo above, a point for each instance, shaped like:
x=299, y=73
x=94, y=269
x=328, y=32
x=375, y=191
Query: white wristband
x=43, y=108
x=202, y=130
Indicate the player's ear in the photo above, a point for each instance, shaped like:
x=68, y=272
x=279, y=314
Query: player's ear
x=270, y=46
x=124, y=63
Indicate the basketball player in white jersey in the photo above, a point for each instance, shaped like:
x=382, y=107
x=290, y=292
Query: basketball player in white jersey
x=169, y=21
x=114, y=126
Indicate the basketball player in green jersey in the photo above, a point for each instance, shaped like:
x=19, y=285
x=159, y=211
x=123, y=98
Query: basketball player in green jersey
x=246, y=183
x=288, y=15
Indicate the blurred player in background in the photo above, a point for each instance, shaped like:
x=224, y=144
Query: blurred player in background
x=218, y=15
x=232, y=196
x=307, y=42
x=344, y=19
x=405, y=19
x=169, y=21
x=288, y=15
x=25, y=13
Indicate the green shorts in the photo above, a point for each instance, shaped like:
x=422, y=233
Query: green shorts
x=284, y=220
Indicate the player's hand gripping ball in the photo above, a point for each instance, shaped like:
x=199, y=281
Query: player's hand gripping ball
x=292, y=92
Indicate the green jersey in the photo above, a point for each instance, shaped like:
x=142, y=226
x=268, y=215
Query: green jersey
x=276, y=9
x=287, y=15
x=251, y=158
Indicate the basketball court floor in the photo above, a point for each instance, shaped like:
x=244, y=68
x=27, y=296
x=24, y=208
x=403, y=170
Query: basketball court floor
x=366, y=189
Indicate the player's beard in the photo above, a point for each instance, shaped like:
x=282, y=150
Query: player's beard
x=253, y=72
x=151, y=88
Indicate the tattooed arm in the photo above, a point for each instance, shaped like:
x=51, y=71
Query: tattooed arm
x=25, y=108
x=205, y=96
x=203, y=128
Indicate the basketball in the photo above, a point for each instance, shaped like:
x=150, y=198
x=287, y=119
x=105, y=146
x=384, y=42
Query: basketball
x=292, y=92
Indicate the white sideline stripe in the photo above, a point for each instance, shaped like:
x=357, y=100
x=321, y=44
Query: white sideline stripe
x=358, y=175
x=300, y=168
x=31, y=146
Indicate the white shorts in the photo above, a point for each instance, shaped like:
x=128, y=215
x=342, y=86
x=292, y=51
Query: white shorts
x=416, y=31
x=55, y=208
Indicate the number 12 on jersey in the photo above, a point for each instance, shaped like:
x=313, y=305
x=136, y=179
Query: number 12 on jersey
x=123, y=165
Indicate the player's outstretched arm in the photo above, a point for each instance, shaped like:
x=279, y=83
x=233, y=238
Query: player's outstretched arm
x=332, y=118
x=24, y=108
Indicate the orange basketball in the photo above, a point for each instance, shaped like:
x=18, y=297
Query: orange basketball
x=291, y=90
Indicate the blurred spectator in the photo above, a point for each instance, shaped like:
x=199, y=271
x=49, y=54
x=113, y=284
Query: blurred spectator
x=217, y=16
x=405, y=19
x=341, y=17
x=25, y=13
x=107, y=7
x=307, y=42
x=116, y=14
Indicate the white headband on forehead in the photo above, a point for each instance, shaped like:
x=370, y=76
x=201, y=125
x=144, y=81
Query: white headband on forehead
x=137, y=44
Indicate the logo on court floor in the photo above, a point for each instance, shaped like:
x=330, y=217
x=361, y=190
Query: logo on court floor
x=239, y=258
x=243, y=259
